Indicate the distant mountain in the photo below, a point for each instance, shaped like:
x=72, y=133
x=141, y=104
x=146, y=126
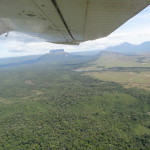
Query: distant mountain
x=53, y=57
x=14, y=61
x=124, y=48
x=58, y=52
x=127, y=48
x=62, y=57
x=86, y=53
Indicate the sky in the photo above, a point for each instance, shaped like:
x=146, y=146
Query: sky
x=134, y=31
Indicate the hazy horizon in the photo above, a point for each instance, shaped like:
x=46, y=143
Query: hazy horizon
x=19, y=44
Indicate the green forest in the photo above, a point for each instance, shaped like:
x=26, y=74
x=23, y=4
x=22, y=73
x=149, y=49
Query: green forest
x=47, y=106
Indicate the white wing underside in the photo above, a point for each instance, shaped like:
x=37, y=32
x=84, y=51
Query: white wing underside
x=67, y=21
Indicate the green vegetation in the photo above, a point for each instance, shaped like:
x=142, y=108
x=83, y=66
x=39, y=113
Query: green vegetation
x=52, y=107
x=129, y=70
x=120, y=60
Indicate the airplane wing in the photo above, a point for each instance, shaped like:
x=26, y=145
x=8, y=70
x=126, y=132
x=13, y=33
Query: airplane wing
x=67, y=21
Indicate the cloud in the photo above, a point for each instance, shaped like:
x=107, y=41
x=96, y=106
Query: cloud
x=135, y=31
x=16, y=51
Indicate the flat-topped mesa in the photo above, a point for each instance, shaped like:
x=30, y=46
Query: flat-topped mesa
x=58, y=52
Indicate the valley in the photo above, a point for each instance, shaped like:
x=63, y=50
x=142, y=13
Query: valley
x=75, y=102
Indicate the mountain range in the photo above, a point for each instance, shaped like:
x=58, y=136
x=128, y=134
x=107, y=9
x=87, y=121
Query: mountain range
x=127, y=48
x=124, y=48
x=62, y=57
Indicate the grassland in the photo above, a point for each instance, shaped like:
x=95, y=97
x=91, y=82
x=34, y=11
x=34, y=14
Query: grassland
x=109, y=60
x=130, y=71
x=128, y=79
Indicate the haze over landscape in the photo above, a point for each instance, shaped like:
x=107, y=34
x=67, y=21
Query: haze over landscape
x=63, y=100
x=95, y=96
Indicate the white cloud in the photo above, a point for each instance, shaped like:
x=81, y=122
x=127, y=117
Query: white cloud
x=136, y=30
